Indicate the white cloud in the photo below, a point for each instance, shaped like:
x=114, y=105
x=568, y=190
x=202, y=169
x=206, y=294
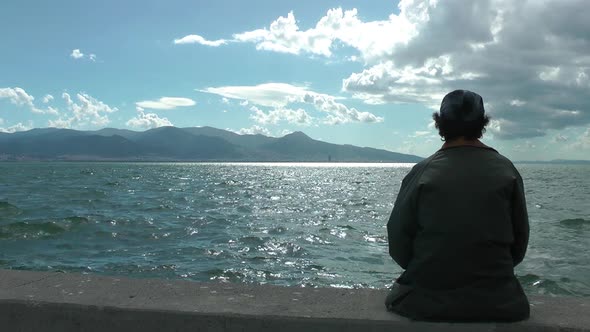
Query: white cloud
x=17, y=127
x=560, y=138
x=284, y=36
x=20, y=97
x=517, y=103
x=377, y=84
x=225, y=101
x=47, y=98
x=50, y=110
x=268, y=94
x=298, y=116
x=196, y=39
x=76, y=54
x=279, y=95
x=287, y=132
x=550, y=74
x=86, y=111
x=166, y=103
x=421, y=133
x=17, y=96
x=147, y=120
x=336, y=27
x=338, y=113
x=60, y=123
x=254, y=130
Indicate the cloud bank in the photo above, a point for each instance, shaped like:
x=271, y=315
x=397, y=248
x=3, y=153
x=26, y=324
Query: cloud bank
x=528, y=59
x=278, y=96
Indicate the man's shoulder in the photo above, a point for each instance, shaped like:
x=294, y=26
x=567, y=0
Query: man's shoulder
x=504, y=160
x=419, y=167
x=424, y=162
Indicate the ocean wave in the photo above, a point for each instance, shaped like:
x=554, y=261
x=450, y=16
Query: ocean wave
x=25, y=230
x=76, y=220
x=39, y=229
x=277, y=230
x=284, y=248
x=345, y=227
x=252, y=241
x=8, y=210
x=574, y=222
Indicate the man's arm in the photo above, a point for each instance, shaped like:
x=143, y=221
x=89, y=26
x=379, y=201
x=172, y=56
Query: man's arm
x=401, y=227
x=520, y=222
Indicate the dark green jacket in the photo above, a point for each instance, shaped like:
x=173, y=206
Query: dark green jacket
x=458, y=228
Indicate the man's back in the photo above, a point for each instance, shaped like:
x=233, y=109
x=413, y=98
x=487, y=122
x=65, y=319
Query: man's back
x=464, y=216
x=458, y=228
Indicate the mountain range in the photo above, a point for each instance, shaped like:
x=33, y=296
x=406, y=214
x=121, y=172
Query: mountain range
x=181, y=144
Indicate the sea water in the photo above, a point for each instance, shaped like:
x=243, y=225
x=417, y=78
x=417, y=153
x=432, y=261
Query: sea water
x=312, y=225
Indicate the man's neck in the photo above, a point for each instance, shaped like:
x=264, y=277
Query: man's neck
x=462, y=141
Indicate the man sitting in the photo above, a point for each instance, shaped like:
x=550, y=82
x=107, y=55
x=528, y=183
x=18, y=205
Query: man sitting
x=459, y=226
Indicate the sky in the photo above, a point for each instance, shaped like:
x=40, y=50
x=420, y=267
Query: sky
x=366, y=73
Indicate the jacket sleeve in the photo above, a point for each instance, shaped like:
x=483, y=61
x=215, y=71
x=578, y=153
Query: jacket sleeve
x=402, y=224
x=520, y=222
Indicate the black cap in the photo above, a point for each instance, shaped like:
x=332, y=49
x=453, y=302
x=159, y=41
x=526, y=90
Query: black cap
x=462, y=105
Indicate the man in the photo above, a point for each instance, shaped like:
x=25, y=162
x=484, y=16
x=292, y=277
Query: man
x=459, y=226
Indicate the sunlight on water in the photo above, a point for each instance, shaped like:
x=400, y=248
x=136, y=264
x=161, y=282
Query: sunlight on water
x=307, y=164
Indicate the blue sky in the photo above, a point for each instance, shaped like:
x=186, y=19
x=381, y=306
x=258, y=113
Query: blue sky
x=368, y=73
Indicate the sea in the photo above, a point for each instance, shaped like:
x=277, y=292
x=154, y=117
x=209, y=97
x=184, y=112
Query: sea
x=291, y=224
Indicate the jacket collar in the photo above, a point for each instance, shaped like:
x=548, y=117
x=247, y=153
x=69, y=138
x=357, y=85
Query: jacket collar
x=460, y=142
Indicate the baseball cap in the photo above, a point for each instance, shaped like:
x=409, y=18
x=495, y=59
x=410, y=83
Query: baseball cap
x=462, y=105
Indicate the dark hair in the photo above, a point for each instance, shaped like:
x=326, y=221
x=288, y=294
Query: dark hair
x=450, y=129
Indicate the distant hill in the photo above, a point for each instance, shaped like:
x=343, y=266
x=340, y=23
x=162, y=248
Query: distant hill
x=181, y=144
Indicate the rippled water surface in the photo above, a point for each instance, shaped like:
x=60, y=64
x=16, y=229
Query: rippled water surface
x=286, y=224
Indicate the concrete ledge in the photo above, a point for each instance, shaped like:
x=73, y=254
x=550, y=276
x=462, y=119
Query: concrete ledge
x=49, y=301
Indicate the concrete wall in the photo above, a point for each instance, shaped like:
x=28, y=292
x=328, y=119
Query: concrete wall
x=50, y=301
